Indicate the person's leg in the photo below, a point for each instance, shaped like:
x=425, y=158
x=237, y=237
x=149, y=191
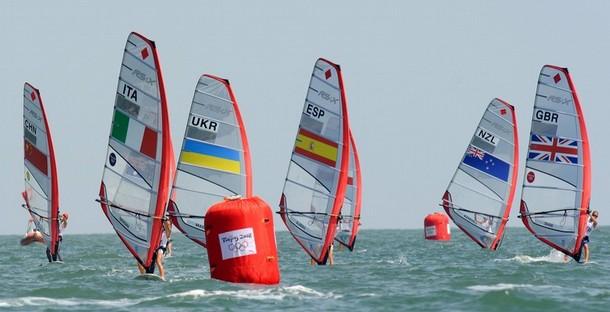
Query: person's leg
x=169, y=247
x=140, y=268
x=586, y=253
x=159, y=262
x=58, y=255
x=49, y=255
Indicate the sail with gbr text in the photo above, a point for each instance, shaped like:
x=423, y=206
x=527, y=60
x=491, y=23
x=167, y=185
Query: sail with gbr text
x=349, y=221
x=480, y=194
x=215, y=158
x=139, y=165
x=557, y=177
x=41, y=193
x=316, y=181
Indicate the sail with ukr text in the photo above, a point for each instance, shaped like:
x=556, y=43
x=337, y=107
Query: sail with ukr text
x=139, y=164
x=557, y=177
x=349, y=220
x=316, y=182
x=480, y=194
x=214, y=160
x=41, y=194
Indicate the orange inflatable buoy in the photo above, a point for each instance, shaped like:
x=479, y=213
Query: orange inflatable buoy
x=436, y=227
x=241, y=241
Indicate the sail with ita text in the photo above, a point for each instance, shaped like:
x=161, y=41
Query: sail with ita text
x=316, y=182
x=139, y=166
x=480, y=194
x=214, y=160
x=557, y=177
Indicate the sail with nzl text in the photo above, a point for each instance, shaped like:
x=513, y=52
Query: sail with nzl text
x=480, y=194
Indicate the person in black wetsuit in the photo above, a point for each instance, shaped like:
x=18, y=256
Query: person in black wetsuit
x=158, y=257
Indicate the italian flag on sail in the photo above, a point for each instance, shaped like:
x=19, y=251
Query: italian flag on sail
x=134, y=134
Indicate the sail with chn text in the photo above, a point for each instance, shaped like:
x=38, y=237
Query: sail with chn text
x=349, y=218
x=316, y=182
x=139, y=164
x=557, y=177
x=214, y=160
x=480, y=194
x=41, y=193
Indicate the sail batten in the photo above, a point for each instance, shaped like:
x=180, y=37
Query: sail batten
x=480, y=194
x=214, y=160
x=557, y=180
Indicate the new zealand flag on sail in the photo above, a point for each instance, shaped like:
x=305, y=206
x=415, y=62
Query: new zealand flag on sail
x=486, y=163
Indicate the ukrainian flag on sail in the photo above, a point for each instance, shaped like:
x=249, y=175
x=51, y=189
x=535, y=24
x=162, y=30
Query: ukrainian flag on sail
x=210, y=156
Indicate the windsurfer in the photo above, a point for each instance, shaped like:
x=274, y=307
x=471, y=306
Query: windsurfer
x=157, y=258
x=63, y=224
x=591, y=224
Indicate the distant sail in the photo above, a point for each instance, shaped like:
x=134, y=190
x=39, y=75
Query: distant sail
x=350, y=212
x=480, y=194
x=557, y=178
x=315, y=185
x=214, y=159
x=41, y=193
x=140, y=162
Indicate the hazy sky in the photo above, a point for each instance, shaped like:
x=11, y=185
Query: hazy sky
x=418, y=76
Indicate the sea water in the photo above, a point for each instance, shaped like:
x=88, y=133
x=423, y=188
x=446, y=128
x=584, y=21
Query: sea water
x=390, y=270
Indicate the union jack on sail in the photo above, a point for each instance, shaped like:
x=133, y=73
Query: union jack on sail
x=475, y=152
x=553, y=149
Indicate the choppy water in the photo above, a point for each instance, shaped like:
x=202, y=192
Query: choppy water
x=394, y=270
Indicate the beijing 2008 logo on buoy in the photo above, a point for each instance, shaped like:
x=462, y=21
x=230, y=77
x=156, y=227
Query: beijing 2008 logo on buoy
x=531, y=177
x=241, y=246
x=237, y=243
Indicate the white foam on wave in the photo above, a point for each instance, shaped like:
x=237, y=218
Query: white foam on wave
x=554, y=256
x=507, y=286
x=267, y=293
x=401, y=260
x=53, y=302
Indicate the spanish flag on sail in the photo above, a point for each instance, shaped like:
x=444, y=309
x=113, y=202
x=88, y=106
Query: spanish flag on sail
x=315, y=147
x=200, y=154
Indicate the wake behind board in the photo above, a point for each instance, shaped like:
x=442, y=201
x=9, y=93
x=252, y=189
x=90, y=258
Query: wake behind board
x=151, y=277
x=52, y=263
